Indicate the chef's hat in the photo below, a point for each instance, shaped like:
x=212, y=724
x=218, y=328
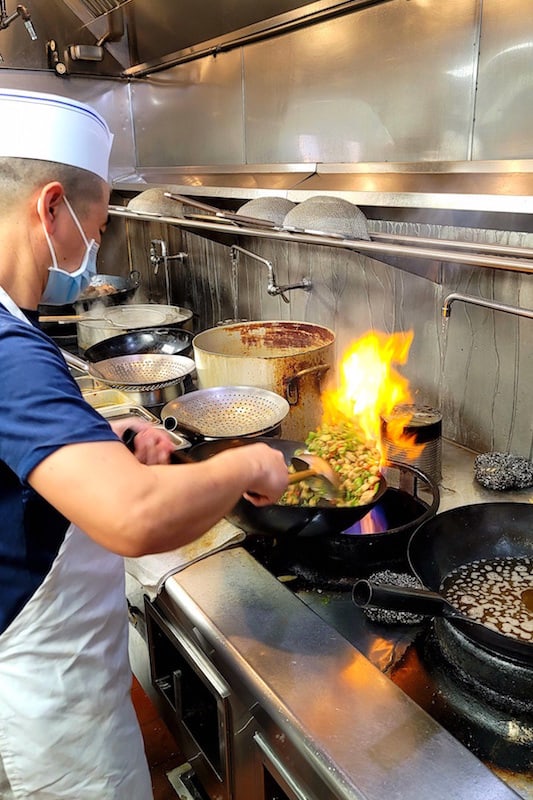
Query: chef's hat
x=49, y=127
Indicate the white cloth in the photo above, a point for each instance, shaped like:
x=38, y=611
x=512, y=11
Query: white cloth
x=68, y=728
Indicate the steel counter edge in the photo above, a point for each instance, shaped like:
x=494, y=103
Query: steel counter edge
x=360, y=733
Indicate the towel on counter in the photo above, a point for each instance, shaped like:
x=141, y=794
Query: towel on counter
x=153, y=570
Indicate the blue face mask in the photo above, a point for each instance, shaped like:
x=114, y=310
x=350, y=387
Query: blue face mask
x=64, y=287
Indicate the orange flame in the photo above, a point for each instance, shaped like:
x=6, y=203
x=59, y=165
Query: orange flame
x=370, y=388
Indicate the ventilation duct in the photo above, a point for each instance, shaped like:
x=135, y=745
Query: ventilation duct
x=104, y=19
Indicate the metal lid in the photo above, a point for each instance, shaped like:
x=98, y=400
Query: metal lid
x=424, y=422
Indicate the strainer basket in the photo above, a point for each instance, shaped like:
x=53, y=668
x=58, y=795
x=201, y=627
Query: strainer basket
x=143, y=372
x=328, y=216
x=272, y=209
x=224, y=412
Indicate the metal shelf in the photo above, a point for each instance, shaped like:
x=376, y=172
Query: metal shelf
x=513, y=259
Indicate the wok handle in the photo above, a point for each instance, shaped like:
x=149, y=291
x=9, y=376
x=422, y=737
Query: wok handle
x=179, y=457
x=170, y=423
x=75, y=361
x=176, y=457
x=61, y=318
x=400, y=598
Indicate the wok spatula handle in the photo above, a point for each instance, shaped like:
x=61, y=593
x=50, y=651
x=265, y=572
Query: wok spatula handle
x=296, y=477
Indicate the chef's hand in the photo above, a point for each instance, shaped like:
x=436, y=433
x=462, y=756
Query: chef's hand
x=268, y=474
x=151, y=445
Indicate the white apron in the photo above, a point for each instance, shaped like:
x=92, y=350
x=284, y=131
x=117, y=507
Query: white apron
x=68, y=728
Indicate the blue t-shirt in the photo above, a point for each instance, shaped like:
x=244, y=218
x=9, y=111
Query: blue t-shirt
x=41, y=410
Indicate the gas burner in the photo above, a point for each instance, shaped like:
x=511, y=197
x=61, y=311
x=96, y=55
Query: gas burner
x=377, y=542
x=488, y=698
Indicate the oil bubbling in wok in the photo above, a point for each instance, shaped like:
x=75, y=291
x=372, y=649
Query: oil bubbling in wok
x=491, y=592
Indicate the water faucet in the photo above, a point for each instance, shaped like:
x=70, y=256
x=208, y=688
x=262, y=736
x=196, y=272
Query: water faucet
x=482, y=301
x=272, y=287
x=22, y=12
x=159, y=255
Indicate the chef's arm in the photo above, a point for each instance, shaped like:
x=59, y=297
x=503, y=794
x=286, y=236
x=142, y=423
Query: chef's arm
x=134, y=509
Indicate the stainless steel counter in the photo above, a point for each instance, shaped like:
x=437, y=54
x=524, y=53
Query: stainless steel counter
x=359, y=731
x=458, y=486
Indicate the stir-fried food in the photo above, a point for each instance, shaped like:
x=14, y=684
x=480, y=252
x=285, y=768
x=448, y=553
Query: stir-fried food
x=97, y=290
x=356, y=462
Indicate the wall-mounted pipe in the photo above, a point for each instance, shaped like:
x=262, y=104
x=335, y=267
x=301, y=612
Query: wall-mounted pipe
x=372, y=248
x=159, y=255
x=272, y=287
x=482, y=301
x=22, y=12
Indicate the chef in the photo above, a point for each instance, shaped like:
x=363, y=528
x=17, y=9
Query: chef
x=73, y=499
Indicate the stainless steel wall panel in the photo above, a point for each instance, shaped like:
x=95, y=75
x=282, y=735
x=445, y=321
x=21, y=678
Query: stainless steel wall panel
x=390, y=82
x=487, y=366
x=192, y=114
x=477, y=367
x=351, y=294
x=504, y=111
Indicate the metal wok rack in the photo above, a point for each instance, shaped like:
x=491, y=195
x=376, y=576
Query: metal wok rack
x=381, y=246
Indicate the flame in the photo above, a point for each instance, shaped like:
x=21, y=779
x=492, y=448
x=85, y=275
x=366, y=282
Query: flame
x=370, y=388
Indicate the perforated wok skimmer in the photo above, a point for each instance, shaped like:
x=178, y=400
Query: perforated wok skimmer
x=226, y=412
x=144, y=372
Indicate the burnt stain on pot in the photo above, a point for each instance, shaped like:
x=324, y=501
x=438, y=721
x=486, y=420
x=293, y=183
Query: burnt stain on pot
x=284, y=336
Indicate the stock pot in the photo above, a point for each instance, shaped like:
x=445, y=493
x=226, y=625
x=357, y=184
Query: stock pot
x=293, y=359
x=100, y=324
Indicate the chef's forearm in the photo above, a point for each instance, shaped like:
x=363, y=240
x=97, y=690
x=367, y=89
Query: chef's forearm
x=133, y=509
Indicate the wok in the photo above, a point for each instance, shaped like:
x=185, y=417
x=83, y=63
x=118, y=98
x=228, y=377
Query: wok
x=281, y=520
x=448, y=541
x=168, y=341
x=125, y=288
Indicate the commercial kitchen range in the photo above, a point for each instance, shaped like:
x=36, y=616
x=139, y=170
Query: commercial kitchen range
x=277, y=686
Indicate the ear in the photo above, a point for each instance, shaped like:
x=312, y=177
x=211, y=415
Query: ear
x=48, y=200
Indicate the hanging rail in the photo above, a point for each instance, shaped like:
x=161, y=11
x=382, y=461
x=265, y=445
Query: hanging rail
x=517, y=260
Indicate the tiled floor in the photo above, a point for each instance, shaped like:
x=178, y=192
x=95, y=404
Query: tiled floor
x=162, y=751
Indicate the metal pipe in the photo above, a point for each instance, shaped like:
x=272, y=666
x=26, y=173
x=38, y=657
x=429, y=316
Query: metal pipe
x=272, y=288
x=22, y=12
x=476, y=247
x=481, y=301
x=358, y=245
x=162, y=257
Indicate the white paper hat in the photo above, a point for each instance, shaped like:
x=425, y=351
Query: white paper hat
x=49, y=127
